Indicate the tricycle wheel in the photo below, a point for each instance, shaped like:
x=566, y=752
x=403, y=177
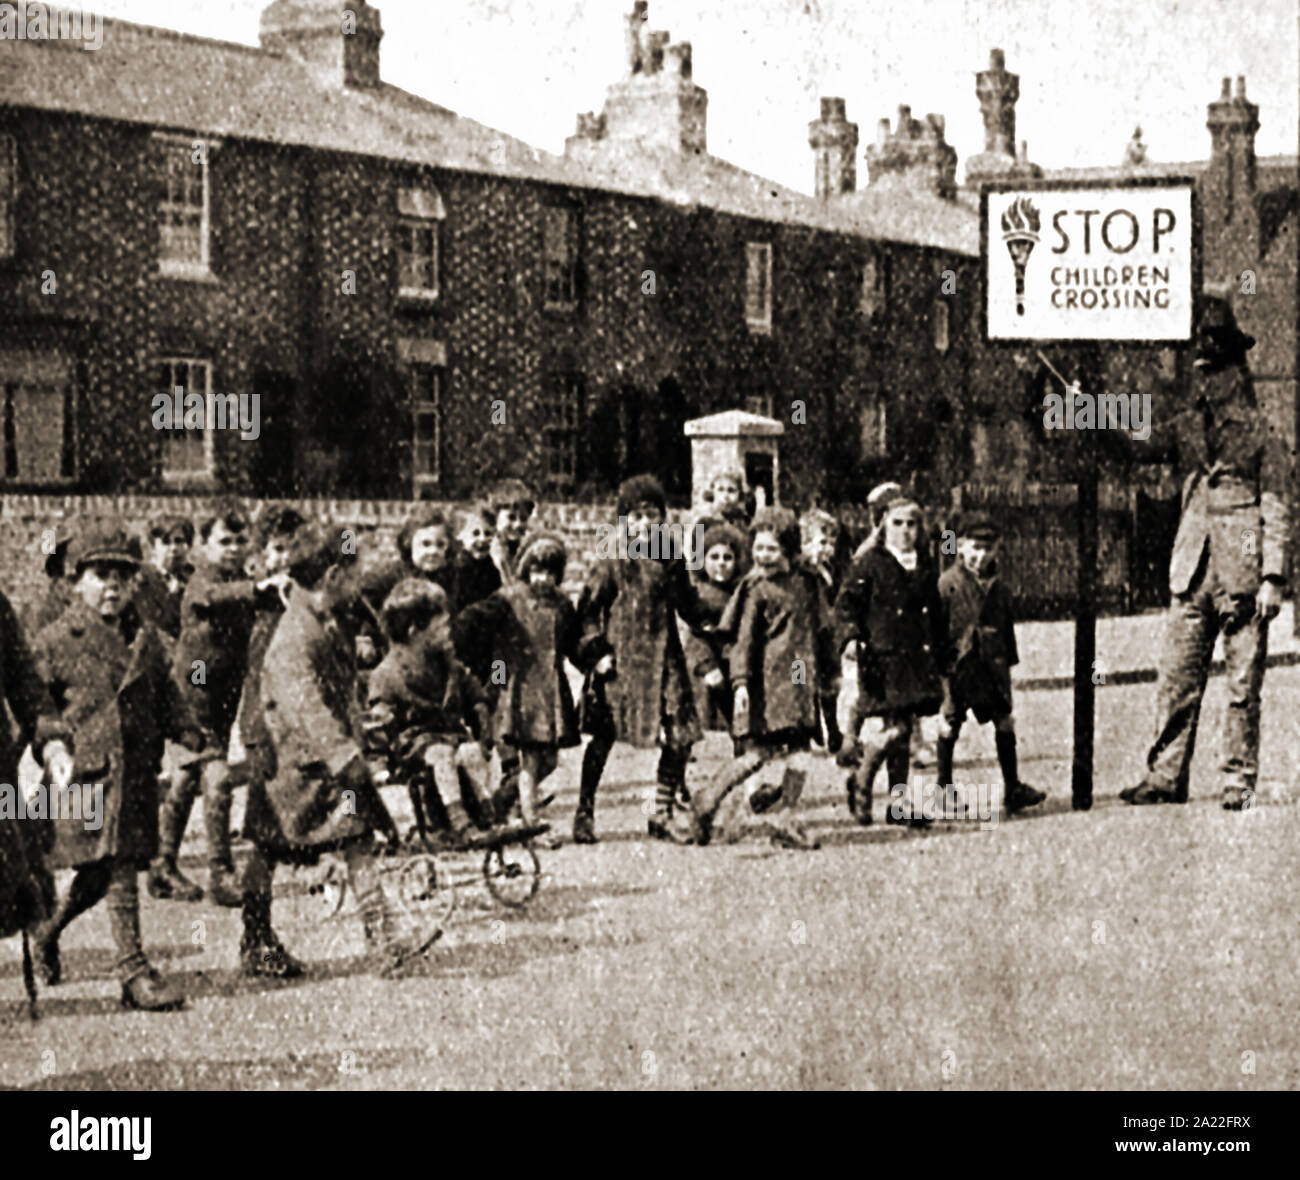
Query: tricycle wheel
x=512, y=874
x=425, y=890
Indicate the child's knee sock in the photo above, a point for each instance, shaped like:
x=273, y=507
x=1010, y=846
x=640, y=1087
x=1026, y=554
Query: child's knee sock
x=1006, y=743
x=946, y=747
x=671, y=776
x=594, y=758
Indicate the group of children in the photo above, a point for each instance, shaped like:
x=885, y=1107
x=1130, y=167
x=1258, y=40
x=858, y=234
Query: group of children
x=455, y=654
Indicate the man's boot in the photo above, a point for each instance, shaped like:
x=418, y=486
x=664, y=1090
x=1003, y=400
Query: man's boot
x=260, y=951
x=166, y=881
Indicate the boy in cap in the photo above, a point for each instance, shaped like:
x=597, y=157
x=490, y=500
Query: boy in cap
x=209, y=663
x=160, y=585
x=890, y=607
x=320, y=796
x=981, y=629
x=107, y=674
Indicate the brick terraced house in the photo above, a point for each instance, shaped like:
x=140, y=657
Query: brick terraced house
x=416, y=301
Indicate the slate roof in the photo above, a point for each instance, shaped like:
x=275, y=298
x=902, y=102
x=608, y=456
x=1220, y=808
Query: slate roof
x=170, y=80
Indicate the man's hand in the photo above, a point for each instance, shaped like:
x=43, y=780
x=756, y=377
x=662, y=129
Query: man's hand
x=714, y=678
x=1268, y=601
x=605, y=665
x=740, y=702
x=944, y=726
x=58, y=764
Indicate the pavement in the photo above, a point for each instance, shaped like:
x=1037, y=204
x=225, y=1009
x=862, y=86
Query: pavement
x=1128, y=649
x=1119, y=948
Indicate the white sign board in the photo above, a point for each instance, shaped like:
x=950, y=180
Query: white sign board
x=1089, y=263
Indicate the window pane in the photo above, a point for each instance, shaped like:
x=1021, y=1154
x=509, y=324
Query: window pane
x=8, y=189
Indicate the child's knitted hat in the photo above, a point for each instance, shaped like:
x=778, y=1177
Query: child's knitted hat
x=722, y=533
x=640, y=489
x=542, y=550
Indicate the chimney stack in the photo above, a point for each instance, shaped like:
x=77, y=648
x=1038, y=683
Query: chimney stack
x=998, y=91
x=656, y=105
x=339, y=40
x=834, y=141
x=1230, y=180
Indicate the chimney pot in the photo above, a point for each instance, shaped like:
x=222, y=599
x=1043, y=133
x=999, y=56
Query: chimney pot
x=904, y=118
x=1241, y=86
x=1226, y=92
x=832, y=109
x=937, y=122
x=997, y=60
x=1024, y=150
x=882, y=133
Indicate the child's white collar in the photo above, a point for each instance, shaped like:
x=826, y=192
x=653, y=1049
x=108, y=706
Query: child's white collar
x=906, y=560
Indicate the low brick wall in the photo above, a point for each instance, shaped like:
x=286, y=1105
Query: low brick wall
x=24, y=519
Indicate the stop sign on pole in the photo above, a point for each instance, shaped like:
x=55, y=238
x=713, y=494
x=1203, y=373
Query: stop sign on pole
x=1079, y=265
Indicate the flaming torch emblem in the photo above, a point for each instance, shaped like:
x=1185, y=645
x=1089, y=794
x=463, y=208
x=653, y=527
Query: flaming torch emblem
x=1020, y=232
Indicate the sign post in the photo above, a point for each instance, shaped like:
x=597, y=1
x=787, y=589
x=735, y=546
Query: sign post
x=1078, y=265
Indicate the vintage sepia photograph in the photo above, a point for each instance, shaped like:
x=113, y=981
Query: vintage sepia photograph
x=642, y=545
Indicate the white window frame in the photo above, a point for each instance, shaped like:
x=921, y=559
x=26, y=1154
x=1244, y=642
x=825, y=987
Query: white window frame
x=187, y=268
x=942, y=326
x=427, y=354
x=208, y=473
x=872, y=297
x=570, y=384
x=420, y=209
x=758, y=286
x=567, y=265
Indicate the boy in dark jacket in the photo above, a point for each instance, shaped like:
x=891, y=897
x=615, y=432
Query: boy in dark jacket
x=321, y=797
x=781, y=664
x=981, y=628
x=424, y=706
x=209, y=663
x=275, y=532
x=820, y=535
x=160, y=586
x=890, y=607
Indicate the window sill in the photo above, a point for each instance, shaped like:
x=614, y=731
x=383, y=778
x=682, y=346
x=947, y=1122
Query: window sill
x=560, y=308
x=418, y=296
x=759, y=329
x=191, y=481
x=186, y=272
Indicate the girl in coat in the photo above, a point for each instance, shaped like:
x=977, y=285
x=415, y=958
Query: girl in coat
x=890, y=607
x=725, y=553
x=535, y=630
x=629, y=607
x=107, y=673
x=781, y=663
